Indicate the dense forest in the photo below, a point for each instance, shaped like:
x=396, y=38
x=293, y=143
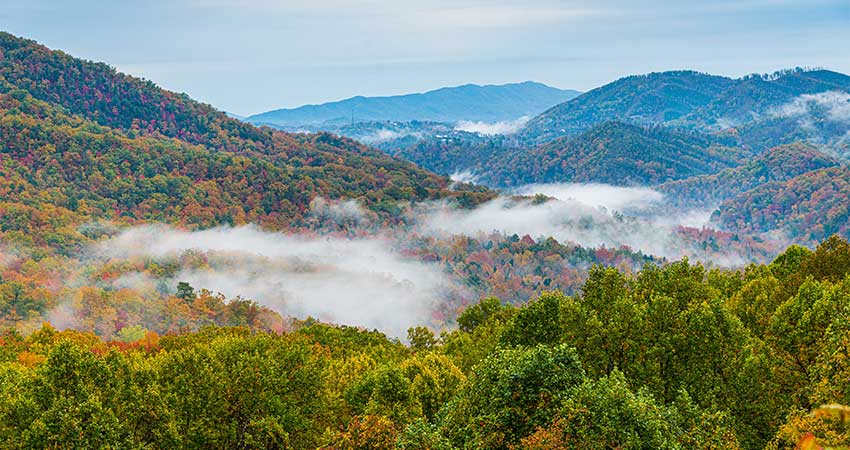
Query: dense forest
x=611, y=152
x=778, y=164
x=810, y=206
x=676, y=356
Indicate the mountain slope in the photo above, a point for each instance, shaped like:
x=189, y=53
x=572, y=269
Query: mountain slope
x=468, y=102
x=643, y=99
x=753, y=96
x=807, y=208
x=775, y=165
x=621, y=154
x=613, y=153
x=683, y=98
x=96, y=144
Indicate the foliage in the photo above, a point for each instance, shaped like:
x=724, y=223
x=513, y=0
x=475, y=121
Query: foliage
x=675, y=356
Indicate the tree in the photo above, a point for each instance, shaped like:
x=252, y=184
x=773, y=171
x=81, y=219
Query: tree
x=511, y=393
x=606, y=414
x=185, y=292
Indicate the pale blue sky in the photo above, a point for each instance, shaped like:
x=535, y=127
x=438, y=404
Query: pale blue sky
x=248, y=56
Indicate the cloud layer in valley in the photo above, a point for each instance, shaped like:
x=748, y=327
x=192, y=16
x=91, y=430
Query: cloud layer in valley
x=590, y=215
x=349, y=281
x=368, y=281
x=492, y=128
x=832, y=105
x=464, y=176
x=384, y=135
x=593, y=194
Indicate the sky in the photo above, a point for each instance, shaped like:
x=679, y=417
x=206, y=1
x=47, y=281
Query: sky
x=250, y=56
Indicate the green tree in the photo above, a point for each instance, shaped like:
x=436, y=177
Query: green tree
x=511, y=393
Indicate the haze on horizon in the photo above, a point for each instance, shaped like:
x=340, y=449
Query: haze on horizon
x=252, y=56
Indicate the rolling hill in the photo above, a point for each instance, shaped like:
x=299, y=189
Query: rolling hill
x=683, y=98
x=643, y=99
x=612, y=152
x=752, y=97
x=628, y=155
x=82, y=142
x=778, y=164
x=469, y=102
x=807, y=208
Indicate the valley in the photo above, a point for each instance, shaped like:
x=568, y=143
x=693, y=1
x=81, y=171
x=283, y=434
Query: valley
x=658, y=262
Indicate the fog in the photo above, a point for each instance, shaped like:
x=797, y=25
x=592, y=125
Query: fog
x=339, y=212
x=350, y=281
x=593, y=194
x=590, y=215
x=367, y=281
x=569, y=221
x=832, y=105
x=464, y=176
x=384, y=135
x=493, y=128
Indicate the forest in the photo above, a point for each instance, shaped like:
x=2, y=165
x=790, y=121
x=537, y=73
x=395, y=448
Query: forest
x=675, y=356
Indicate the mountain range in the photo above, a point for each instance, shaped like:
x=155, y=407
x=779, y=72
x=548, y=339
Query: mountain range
x=768, y=151
x=103, y=145
x=470, y=102
x=685, y=98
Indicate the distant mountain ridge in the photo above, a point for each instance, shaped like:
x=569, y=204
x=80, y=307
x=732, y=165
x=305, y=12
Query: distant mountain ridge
x=651, y=129
x=469, y=102
x=682, y=98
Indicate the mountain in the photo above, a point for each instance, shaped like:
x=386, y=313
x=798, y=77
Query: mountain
x=751, y=97
x=626, y=155
x=469, y=102
x=643, y=99
x=100, y=145
x=454, y=153
x=612, y=152
x=683, y=98
x=778, y=164
x=807, y=208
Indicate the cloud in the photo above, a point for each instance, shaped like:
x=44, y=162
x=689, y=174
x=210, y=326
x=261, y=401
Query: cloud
x=338, y=211
x=616, y=198
x=384, y=135
x=832, y=105
x=464, y=176
x=371, y=281
x=571, y=221
x=494, y=128
x=350, y=281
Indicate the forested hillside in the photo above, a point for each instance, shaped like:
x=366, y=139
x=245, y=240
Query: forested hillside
x=675, y=357
x=171, y=277
x=775, y=165
x=756, y=95
x=625, y=155
x=611, y=152
x=133, y=152
x=809, y=207
x=644, y=99
x=83, y=171
x=684, y=98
